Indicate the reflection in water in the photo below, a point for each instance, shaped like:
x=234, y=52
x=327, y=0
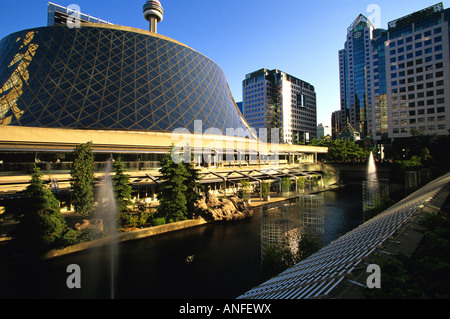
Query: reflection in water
x=227, y=258
x=284, y=224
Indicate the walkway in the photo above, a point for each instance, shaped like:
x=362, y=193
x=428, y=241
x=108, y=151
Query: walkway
x=326, y=273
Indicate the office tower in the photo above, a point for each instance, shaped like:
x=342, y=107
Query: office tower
x=323, y=130
x=354, y=74
x=395, y=81
x=336, y=126
x=275, y=99
x=412, y=75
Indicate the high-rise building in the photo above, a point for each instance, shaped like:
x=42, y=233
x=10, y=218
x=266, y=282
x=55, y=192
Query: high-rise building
x=323, y=130
x=395, y=81
x=411, y=75
x=336, y=126
x=275, y=99
x=354, y=71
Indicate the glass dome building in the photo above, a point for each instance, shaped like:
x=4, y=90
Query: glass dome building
x=108, y=77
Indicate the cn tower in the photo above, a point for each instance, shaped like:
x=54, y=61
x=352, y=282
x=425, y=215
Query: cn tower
x=153, y=13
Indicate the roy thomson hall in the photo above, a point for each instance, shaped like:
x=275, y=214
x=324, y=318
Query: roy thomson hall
x=127, y=91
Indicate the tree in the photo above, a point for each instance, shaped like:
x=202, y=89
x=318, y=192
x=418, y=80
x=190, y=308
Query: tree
x=342, y=150
x=193, y=186
x=172, y=191
x=42, y=226
x=82, y=179
x=122, y=186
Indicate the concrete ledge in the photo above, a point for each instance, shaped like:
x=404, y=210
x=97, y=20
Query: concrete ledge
x=126, y=236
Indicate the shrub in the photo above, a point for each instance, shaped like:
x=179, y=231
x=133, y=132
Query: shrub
x=158, y=221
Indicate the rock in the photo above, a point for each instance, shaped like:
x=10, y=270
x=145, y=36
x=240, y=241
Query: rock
x=212, y=200
x=211, y=208
x=96, y=224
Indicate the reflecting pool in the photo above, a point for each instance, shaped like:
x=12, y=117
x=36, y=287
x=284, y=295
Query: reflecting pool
x=221, y=260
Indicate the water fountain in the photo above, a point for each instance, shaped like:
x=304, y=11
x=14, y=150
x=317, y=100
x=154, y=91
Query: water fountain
x=107, y=211
x=372, y=169
x=373, y=189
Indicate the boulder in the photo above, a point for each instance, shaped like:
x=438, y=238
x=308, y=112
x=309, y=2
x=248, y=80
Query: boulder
x=96, y=224
x=211, y=208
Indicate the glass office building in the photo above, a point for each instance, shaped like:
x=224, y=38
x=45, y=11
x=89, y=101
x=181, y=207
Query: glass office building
x=354, y=70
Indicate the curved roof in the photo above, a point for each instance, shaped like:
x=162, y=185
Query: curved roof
x=110, y=77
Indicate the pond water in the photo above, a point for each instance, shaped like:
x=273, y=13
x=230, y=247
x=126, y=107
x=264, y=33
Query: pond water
x=224, y=259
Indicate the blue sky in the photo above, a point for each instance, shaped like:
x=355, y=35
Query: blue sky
x=299, y=37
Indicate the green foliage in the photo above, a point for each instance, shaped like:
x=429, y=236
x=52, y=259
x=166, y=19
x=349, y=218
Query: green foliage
x=193, y=187
x=342, y=150
x=246, y=190
x=285, y=184
x=314, y=180
x=279, y=256
x=42, y=226
x=134, y=220
x=424, y=274
x=172, y=191
x=301, y=182
x=82, y=179
x=122, y=186
x=158, y=221
x=265, y=188
x=414, y=163
x=308, y=245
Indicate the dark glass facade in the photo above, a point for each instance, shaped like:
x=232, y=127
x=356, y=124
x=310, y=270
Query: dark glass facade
x=354, y=64
x=110, y=78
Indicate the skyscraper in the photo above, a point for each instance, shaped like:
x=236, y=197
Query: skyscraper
x=275, y=99
x=411, y=75
x=395, y=81
x=354, y=71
